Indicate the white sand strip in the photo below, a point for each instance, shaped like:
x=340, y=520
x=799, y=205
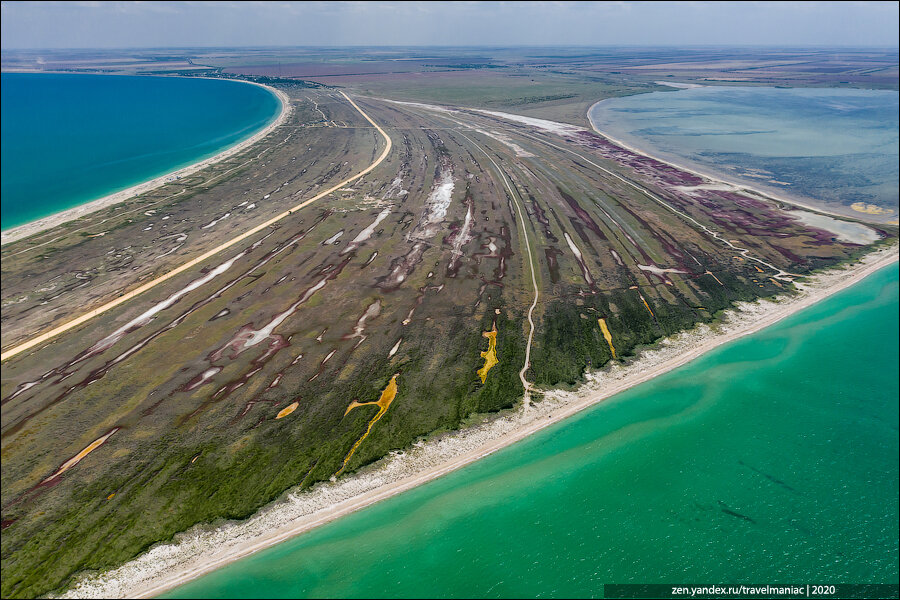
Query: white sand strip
x=76, y=212
x=203, y=549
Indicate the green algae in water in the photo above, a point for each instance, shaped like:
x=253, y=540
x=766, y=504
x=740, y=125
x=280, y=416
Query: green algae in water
x=772, y=458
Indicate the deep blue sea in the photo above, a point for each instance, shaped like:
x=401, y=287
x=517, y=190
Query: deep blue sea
x=69, y=139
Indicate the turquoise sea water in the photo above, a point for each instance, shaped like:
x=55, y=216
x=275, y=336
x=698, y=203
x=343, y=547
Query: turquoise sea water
x=772, y=459
x=70, y=139
x=837, y=146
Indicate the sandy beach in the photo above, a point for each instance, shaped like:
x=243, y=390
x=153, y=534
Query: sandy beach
x=28, y=229
x=205, y=548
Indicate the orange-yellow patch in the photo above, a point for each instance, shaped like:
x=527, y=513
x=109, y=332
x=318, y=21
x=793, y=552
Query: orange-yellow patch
x=489, y=355
x=716, y=278
x=77, y=458
x=287, y=410
x=608, y=335
x=646, y=305
x=383, y=403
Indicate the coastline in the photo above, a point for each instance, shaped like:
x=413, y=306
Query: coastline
x=205, y=548
x=736, y=183
x=28, y=229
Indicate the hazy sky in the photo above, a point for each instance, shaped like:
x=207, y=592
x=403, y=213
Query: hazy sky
x=158, y=24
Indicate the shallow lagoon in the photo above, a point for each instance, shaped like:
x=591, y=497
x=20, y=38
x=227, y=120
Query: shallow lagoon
x=835, y=146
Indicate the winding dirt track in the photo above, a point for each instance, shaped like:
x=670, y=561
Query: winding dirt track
x=6, y=354
x=525, y=384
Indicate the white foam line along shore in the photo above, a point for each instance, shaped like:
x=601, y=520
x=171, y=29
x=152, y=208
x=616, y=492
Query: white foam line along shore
x=196, y=261
x=48, y=222
x=202, y=550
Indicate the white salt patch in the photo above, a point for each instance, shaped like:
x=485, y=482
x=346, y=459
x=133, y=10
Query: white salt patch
x=550, y=126
x=366, y=233
x=180, y=238
x=208, y=225
x=584, y=270
x=394, y=188
x=333, y=238
x=854, y=233
x=205, y=377
x=503, y=139
x=462, y=236
x=573, y=247
x=372, y=311
x=425, y=106
x=657, y=270
x=147, y=315
x=436, y=206
x=259, y=335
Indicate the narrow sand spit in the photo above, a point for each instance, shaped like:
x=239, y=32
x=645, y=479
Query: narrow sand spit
x=23, y=231
x=205, y=548
x=681, y=86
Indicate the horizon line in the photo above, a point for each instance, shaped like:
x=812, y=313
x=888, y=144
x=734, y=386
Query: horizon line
x=492, y=46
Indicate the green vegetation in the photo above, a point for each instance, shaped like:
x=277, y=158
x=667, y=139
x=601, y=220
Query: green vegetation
x=570, y=340
x=191, y=451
